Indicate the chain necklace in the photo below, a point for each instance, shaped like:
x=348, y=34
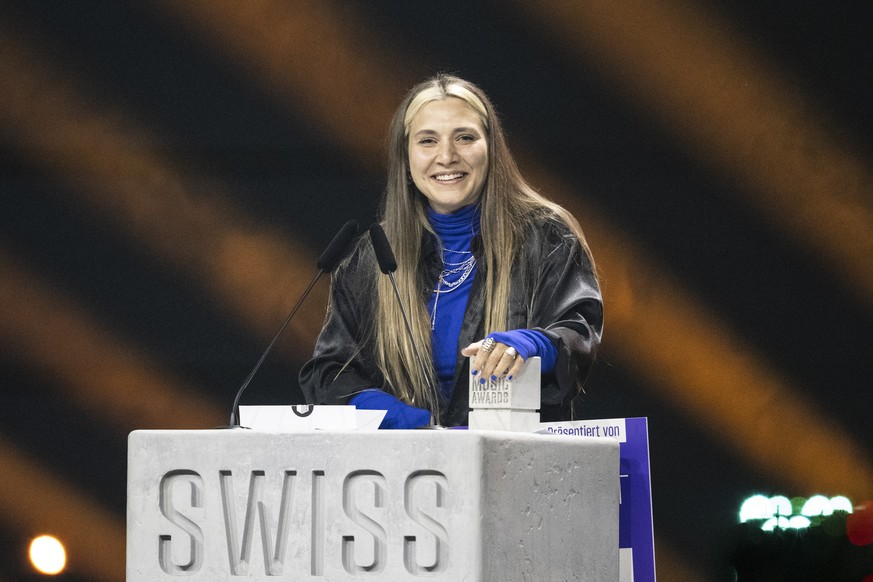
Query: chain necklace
x=445, y=283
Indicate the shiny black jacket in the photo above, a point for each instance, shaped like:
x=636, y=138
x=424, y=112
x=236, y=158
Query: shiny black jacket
x=554, y=290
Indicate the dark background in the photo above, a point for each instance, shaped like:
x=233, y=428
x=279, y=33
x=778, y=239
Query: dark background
x=169, y=172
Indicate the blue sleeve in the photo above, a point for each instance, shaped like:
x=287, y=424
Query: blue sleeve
x=529, y=343
x=398, y=414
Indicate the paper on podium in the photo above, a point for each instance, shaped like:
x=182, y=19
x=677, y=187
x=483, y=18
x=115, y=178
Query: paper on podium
x=306, y=417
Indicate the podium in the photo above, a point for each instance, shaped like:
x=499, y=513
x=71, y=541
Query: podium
x=445, y=505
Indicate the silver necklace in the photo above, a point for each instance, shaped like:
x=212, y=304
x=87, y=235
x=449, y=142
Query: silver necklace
x=446, y=283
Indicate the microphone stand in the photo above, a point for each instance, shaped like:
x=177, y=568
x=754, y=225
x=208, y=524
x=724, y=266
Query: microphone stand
x=234, y=414
x=388, y=264
x=415, y=349
x=327, y=262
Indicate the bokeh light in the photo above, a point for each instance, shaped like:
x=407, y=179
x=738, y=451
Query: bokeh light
x=47, y=554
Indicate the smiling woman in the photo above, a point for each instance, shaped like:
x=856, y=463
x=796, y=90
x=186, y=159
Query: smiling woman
x=448, y=154
x=492, y=272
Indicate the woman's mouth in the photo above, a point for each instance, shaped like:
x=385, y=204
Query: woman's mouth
x=445, y=178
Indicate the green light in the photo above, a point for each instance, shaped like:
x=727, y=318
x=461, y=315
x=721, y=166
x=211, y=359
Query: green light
x=779, y=512
x=761, y=507
x=817, y=505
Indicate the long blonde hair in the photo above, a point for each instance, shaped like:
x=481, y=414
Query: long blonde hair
x=507, y=205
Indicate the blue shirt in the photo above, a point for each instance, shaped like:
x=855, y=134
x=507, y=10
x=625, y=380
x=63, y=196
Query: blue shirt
x=446, y=309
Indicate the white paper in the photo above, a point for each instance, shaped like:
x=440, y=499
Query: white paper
x=302, y=418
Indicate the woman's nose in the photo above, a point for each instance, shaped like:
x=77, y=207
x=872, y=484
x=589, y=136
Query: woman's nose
x=447, y=153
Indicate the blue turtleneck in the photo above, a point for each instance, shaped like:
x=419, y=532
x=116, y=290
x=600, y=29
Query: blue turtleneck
x=455, y=232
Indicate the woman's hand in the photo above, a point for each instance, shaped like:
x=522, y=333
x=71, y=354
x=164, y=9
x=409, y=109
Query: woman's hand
x=398, y=414
x=492, y=360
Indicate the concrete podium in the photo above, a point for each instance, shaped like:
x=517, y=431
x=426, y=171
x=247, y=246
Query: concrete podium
x=447, y=505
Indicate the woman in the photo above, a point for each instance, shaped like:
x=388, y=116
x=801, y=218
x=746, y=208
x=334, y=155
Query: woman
x=488, y=269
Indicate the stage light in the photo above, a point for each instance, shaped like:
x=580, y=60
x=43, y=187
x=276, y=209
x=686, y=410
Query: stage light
x=779, y=512
x=761, y=507
x=47, y=554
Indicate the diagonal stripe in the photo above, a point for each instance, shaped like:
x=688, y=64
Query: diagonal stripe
x=251, y=269
x=701, y=366
x=734, y=109
x=611, y=260
x=114, y=169
x=670, y=567
x=679, y=364
x=35, y=501
x=312, y=55
x=105, y=376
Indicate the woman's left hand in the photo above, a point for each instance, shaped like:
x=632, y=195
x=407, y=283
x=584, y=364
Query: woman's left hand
x=492, y=360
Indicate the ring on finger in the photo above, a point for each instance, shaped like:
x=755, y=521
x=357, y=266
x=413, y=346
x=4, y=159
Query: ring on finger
x=488, y=344
x=511, y=352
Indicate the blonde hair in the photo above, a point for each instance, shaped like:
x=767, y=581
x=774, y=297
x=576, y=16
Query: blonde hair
x=507, y=206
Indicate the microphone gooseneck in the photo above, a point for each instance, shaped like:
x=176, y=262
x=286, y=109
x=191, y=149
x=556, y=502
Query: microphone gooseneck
x=327, y=262
x=388, y=264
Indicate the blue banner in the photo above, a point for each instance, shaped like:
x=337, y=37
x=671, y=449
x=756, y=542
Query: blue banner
x=636, y=539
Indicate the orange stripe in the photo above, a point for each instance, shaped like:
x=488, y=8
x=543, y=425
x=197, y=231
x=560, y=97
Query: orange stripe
x=670, y=567
x=706, y=371
x=103, y=374
x=642, y=301
x=110, y=163
x=253, y=270
x=735, y=110
x=314, y=56
x=611, y=258
x=34, y=502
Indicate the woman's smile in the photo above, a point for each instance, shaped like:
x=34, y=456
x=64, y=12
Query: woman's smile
x=448, y=154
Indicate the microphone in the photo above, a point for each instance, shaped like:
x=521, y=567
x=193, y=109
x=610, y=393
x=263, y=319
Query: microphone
x=384, y=254
x=327, y=262
x=335, y=250
x=388, y=264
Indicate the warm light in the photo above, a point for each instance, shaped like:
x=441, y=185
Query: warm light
x=47, y=555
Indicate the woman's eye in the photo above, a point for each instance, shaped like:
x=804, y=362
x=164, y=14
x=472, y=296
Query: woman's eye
x=466, y=137
x=426, y=141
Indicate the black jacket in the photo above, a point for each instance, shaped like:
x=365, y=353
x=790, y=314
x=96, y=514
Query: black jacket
x=554, y=290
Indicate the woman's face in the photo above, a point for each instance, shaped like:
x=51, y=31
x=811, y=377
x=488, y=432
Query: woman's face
x=448, y=154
